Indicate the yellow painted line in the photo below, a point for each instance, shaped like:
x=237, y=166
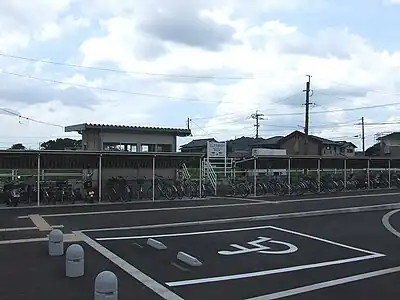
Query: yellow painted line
x=40, y=223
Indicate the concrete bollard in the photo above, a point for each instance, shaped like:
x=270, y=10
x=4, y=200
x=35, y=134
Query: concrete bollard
x=74, y=261
x=56, y=243
x=106, y=286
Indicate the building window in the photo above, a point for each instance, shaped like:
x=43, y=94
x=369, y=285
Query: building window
x=113, y=147
x=144, y=148
x=164, y=148
x=349, y=150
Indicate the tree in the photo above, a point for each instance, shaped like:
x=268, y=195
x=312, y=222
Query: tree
x=61, y=144
x=18, y=146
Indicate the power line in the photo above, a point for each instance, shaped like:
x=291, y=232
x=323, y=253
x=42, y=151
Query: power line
x=109, y=89
x=185, y=98
x=29, y=119
x=125, y=72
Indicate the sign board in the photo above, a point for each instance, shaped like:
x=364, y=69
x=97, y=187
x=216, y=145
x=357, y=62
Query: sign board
x=268, y=152
x=216, y=149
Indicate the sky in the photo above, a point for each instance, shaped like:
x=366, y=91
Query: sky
x=217, y=62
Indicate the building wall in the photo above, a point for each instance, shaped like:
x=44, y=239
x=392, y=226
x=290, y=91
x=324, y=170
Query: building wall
x=295, y=146
x=390, y=146
x=94, y=139
x=349, y=151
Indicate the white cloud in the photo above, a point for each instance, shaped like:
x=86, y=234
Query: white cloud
x=348, y=71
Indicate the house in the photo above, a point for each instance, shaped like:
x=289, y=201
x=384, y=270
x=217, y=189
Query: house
x=294, y=143
x=198, y=146
x=240, y=147
x=100, y=137
x=374, y=150
x=390, y=144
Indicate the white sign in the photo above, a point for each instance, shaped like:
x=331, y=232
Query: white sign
x=216, y=149
x=257, y=247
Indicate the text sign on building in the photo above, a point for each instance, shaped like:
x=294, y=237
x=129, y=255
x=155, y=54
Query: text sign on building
x=216, y=149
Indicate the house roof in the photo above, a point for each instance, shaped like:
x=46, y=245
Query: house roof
x=319, y=139
x=131, y=129
x=393, y=134
x=198, y=143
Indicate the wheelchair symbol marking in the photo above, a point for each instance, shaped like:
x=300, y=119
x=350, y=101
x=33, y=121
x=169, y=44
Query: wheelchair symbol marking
x=257, y=247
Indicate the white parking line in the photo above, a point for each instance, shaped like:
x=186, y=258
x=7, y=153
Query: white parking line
x=326, y=284
x=312, y=213
x=210, y=206
x=122, y=211
x=386, y=222
x=156, y=287
x=11, y=229
x=270, y=272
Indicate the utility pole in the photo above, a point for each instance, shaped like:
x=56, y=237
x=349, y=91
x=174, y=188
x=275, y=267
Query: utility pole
x=307, y=113
x=363, y=135
x=257, y=117
x=188, y=123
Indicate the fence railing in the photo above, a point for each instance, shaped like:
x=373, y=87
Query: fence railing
x=185, y=172
x=209, y=174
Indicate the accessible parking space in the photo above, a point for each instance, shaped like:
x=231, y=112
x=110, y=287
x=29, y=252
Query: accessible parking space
x=264, y=260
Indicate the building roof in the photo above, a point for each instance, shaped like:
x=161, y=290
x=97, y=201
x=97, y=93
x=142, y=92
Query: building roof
x=198, y=143
x=130, y=129
x=393, y=134
x=320, y=139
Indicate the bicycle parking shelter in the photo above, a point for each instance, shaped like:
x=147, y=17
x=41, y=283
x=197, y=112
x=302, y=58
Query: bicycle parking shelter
x=97, y=160
x=318, y=163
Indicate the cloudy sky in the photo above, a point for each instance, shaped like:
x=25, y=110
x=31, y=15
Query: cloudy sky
x=159, y=62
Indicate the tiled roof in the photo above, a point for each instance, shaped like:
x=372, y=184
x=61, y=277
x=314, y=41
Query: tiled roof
x=198, y=143
x=142, y=129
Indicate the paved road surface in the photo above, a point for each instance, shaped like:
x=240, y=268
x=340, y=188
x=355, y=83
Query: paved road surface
x=260, y=248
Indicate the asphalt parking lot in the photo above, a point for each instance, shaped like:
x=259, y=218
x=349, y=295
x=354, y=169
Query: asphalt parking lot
x=327, y=247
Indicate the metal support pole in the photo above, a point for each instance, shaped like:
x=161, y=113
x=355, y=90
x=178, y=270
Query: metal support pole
x=289, y=175
x=345, y=173
x=154, y=176
x=319, y=174
x=225, y=159
x=368, y=174
x=255, y=176
x=389, y=175
x=100, y=179
x=200, y=176
x=38, y=180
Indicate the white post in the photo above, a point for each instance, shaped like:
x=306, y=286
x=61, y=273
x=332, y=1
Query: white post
x=289, y=175
x=319, y=174
x=345, y=173
x=225, y=158
x=154, y=175
x=38, y=180
x=389, y=167
x=200, y=176
x=255, y=176
x=368, y=173
x=100, y=177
